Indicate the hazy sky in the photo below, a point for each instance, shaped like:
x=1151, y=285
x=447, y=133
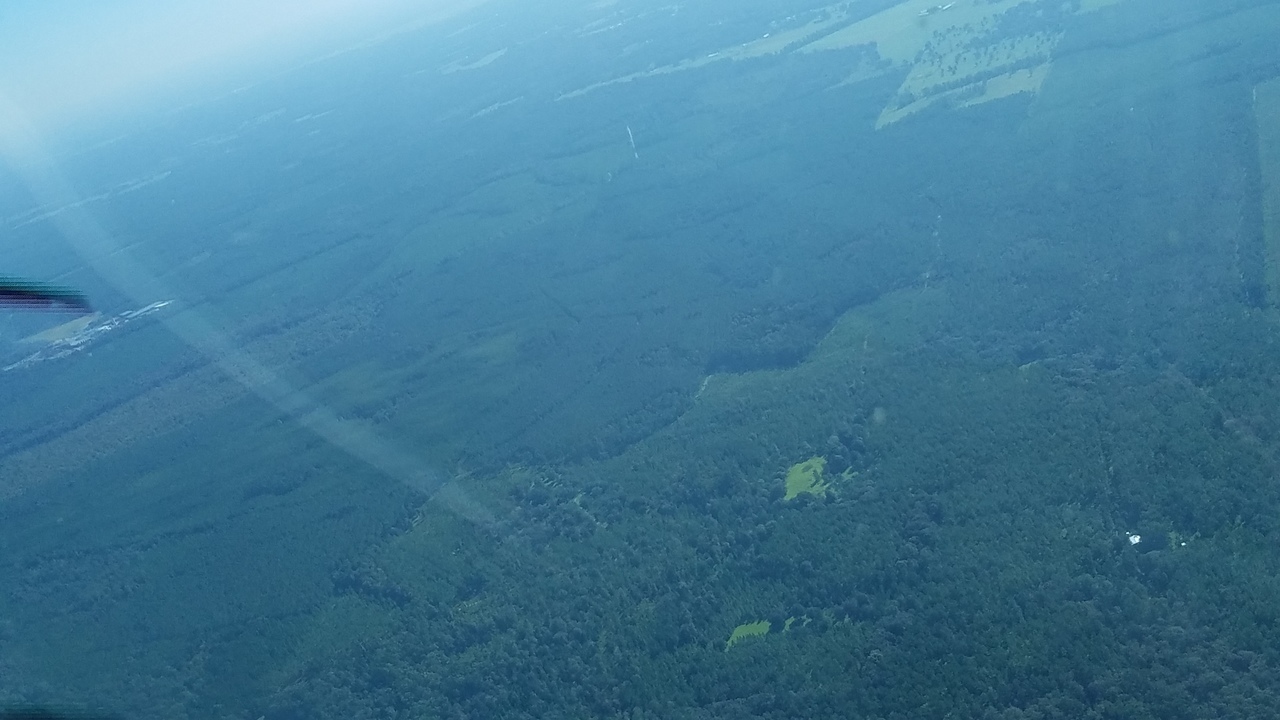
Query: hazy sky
x=63, y=60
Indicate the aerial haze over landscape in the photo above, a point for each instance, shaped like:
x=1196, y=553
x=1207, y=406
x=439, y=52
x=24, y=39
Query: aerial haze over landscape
x=626, y=359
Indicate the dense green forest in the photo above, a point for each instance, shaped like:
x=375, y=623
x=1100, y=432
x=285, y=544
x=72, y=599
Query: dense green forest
x=1024, y=349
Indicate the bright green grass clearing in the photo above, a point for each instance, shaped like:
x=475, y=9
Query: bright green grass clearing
x=806, y=477
x=746, y=630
